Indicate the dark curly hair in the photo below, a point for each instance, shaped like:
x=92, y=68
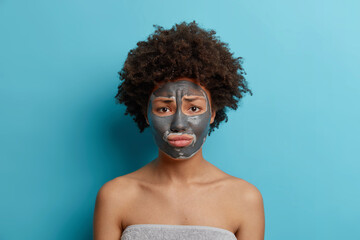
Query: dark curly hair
x=185, y=50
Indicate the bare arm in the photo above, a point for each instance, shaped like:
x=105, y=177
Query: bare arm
x=252, y=226
x=106, y=224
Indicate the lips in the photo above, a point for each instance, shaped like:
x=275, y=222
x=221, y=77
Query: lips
x=180, y=140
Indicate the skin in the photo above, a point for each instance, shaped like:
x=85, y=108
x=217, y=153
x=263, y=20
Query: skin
x=179, y=108
x=179, y=191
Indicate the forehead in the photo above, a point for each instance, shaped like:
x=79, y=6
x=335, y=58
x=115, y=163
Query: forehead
x=179, y=88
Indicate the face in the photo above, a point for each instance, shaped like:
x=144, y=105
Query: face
x=179, y=115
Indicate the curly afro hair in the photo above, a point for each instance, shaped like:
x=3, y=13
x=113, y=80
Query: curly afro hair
x=185, y=50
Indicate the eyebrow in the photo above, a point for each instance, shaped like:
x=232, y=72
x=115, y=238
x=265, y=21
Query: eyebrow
x=185, y=98
x=164, y=99
x=193, y=98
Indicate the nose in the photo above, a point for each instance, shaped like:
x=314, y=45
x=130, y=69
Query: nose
x=179, y=122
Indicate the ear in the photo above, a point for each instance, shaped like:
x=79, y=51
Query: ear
x=147, y=121
x=213, y=114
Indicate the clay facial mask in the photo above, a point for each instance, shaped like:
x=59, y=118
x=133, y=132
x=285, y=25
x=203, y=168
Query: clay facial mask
x=179, y=115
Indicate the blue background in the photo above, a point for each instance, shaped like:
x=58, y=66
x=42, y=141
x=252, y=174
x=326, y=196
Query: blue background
x=63, y=136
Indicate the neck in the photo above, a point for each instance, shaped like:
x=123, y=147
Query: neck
x=183, y=171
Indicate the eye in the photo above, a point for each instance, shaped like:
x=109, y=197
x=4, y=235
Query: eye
x=163, y=110
x=194, y=109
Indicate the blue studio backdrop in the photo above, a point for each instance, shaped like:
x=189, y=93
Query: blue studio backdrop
x=62, y=136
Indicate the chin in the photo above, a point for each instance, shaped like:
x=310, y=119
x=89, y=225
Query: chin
x=180, y=157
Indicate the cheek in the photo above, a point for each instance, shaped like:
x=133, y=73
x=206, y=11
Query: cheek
x=199, y=124
x=159, y=124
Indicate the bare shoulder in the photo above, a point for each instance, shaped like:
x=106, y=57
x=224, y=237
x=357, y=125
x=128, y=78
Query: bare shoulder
x=246, y=199
x=122, y=190
x=248, y=209
x=245, y=192
x=239, y=191
x=111, y=202
x=117, y=190
x=238, y=188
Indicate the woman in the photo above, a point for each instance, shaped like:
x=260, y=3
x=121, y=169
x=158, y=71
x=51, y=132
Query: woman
x=179, y=83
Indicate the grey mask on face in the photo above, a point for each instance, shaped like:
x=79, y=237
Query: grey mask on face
x=178, y=126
